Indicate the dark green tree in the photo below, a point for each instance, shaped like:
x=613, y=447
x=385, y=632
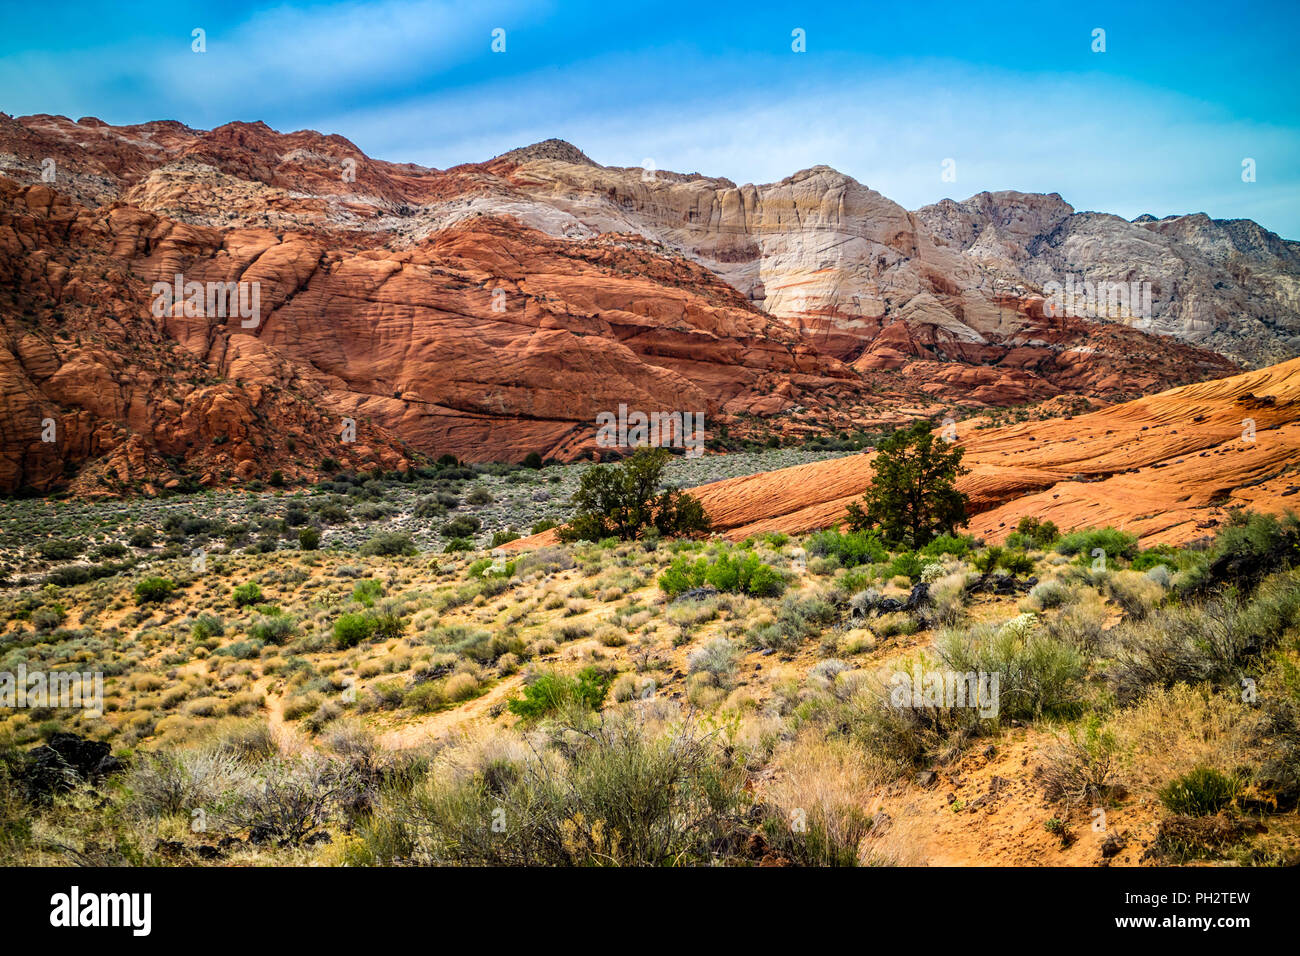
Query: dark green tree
x=623, y=501
x=912, y=499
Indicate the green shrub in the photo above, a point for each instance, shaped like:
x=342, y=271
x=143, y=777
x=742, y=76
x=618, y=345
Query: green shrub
x=69, y=575
x=1215, y=641
x=546, y=524
x=1032, y=532
x=272, y=629
x=1200, y=792
x=389, y=544
x=616, y=794
x=59, y=549
x=153, y=590
x=503, y=537
x=206, y=627
x=1083, y=765
x=240, y=650
x=986, y=561
x=367, y=592
x=1160, y=554
x=996, y=556
x=797, y=620
x=907, y=564
x=351, y=629
x=461, y=526
x=1038, y=675
x=46, y=619
x=309, y=539
x=485, y=567
x=683, y=575
x=481, y=646
x=1017, y=563
x=744, y=575
x=550, y=692
x=1050, y=593
x=852, y=549
x=425, y=697
x=332, y=512
x=957, y=545
x=1245, y=551
x=246, y=594
x=479, y=495
x=389, y=622
x=429, y=507
x=1116, y=544
x=765, y=581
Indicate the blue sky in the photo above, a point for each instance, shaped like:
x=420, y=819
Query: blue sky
x=1013, y=93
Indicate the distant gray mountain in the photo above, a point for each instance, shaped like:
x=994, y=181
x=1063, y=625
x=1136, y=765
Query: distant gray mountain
x=1229, y=285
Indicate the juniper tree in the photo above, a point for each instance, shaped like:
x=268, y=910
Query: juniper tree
x=912, y=498
x=624, y=501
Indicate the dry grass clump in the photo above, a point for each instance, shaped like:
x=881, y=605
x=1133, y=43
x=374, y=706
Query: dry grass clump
x=461, y=686
x=610, y=636
x=822, y=788
x=300, y=705
x=718, y=659
x=1175, y=730
x=1081, y=620
x=620, y=792
x=1135, y=593
x=1047, y=594
x=1082, y=766
x=623, y=688
x=947, y=597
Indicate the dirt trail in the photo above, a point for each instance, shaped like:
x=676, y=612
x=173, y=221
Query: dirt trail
x=441, y=723
x=287, y=737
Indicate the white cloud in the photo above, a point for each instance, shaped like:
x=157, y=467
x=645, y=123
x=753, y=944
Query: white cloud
x=413, y=82
x=297, y=54
x=1103, y=144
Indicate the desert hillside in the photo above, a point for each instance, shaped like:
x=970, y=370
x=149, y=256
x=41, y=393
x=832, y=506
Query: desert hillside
x=274, y=695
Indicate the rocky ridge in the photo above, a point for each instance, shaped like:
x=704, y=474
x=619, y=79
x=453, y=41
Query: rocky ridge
x=491, y=310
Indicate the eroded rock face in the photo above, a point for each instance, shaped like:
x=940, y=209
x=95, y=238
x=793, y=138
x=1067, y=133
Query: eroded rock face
x=843, y=263
x=493, y=310
x=1167, y=467
x=97, y=392
x=486, y=340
